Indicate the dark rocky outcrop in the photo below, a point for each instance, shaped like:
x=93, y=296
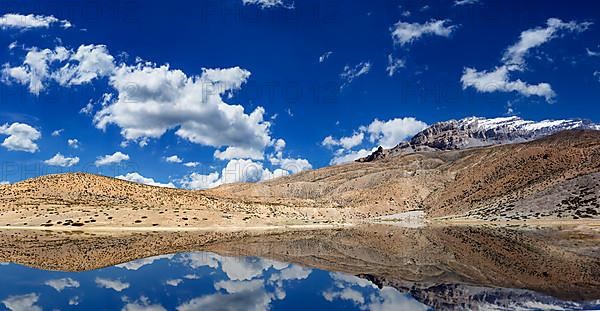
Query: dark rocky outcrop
x=378, y=154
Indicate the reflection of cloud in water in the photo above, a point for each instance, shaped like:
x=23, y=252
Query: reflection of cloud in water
x=197, y=260
x=342, y=280
x=136, y=264
x=242, y=268
x=174, y=282
x=233, y=287
x=386, y=299
x=345, y=294
x=143, y=304
x=112, y=284
x=60, y=284
x=245, y=288
x=291, y=273
x=390, y=299
x=241, y=295
x=74, y=301
x=22, y=302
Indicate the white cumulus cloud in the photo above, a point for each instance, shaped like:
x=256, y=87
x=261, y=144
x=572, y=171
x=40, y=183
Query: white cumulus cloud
x=60, y=160
x=197, y=181
x=239, y=170
x=290, y=165
x=21, y=137
x=30, y=21
x=173, y=159
x=165, y=99
x=405, y=33
x=137, y=178
x=239, y=153
x=108, y=159
x=73, y=143
x=348, y=142
x=61, y=65
x=532, y=38
x=389, y=133
x=514, y=60
x=350, y=156
x=498, y=80
x=380, y=133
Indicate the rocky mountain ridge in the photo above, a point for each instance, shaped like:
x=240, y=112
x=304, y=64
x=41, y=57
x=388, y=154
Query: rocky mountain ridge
x=478, y=132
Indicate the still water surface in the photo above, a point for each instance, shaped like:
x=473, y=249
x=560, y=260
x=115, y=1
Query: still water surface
x=207, y=281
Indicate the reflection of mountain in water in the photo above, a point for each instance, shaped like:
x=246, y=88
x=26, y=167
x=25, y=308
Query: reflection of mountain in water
x=460, y=296
x=447, y=267
x=207, y=281
x=560, y=263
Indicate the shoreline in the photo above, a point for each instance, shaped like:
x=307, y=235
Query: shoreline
x=265, y=228
x=536, y=222
x=591, y=223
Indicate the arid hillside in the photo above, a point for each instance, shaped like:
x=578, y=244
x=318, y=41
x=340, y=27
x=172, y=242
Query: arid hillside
x=91, y=200
x=500, y=179
x=557, y=177
x=484, y=183
x=378, y=188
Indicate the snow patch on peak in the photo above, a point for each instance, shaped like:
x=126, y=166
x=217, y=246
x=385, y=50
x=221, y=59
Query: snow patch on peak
x=514, y=123
x=477, y=131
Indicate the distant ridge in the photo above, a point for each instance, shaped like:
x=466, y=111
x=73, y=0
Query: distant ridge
x=478, y=132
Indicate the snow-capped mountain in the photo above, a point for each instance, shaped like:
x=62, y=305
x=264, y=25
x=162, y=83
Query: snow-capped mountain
x=474, y=132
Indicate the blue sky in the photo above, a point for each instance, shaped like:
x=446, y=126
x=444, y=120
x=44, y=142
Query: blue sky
x=245, y=90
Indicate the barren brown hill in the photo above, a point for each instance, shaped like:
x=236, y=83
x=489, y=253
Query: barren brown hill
x=80, y=188
x=90, y=200
x=556, y=177
x=501, y=177
x=488, y=182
